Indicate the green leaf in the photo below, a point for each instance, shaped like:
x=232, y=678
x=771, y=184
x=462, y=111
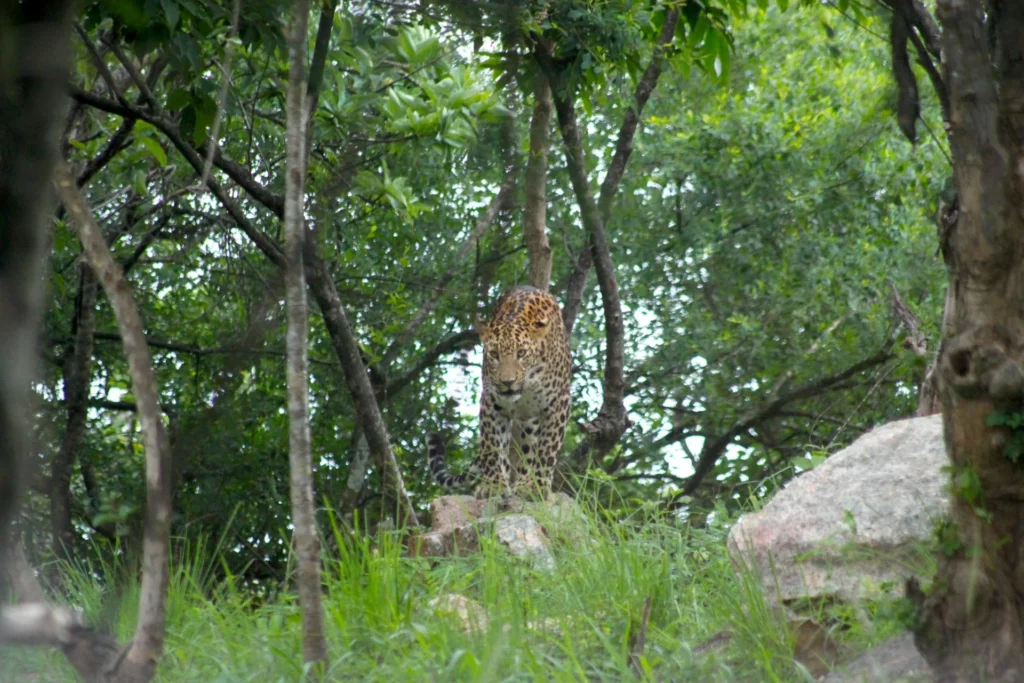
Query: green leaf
x=724, y=57
x=700, y=30
x=177, y=99
x=171, y=12
x=155, y=149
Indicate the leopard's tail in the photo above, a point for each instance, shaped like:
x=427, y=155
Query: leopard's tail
x=437, y=456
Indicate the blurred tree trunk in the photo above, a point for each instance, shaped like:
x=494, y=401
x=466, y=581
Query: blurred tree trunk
x=972, y=622
x=77, y=368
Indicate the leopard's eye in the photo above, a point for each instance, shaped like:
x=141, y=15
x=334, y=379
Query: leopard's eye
x=522, y=354
x=493, y=353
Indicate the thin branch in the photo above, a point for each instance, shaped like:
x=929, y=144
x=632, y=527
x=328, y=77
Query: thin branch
x=101, y=65
x=455, y=342
x=432, y=301
x=196, y=350
x=637, y=639
x=617, y=167
x=133, y=72
x=222, y=99
x=235, y=171
x=713, y=449
x=118, y=141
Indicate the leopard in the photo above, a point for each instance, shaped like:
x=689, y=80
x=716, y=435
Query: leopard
x=524, y=399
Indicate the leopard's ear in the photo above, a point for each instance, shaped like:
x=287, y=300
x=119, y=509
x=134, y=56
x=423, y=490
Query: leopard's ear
x=539, y=327
x=483, y=329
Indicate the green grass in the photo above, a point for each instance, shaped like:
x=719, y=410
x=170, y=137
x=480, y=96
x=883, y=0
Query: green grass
x=568, y=625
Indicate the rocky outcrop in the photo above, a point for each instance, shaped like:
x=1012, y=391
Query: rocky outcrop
x=525, y=529
x=854, y=526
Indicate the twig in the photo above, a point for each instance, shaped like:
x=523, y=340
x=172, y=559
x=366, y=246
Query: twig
x=222, y=99
x=432, y=301
x=636, y=641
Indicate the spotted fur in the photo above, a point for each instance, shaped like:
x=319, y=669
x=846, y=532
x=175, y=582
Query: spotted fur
x=524, y=403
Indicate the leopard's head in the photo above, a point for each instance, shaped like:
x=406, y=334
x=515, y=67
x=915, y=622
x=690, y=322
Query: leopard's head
x=514, y=339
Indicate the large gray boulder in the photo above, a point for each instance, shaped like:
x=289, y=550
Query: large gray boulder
x=856, y=525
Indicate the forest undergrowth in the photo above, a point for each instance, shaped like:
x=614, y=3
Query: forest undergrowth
x=390, y=617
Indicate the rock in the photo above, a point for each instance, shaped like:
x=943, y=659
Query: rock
x=449, y=512
x=524, y=537
x=470, y=612
x=894, y=660
x=849, y=526
x=458, y=521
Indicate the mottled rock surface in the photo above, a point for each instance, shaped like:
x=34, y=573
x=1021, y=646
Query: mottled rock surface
x=526, y=529
x=856, y=524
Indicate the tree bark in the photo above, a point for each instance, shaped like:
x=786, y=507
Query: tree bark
x=347, y=348
x=76, y=395
x=34, y=66
x=306, y=539
x=139, y=663
x=534, y=227
x=617, y=167
x=971, y=625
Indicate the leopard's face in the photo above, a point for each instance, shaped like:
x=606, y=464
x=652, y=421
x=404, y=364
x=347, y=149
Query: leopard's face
x=523, y=332
x=510, y=359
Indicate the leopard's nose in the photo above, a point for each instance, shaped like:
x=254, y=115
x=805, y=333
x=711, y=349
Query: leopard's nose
x=506, y=384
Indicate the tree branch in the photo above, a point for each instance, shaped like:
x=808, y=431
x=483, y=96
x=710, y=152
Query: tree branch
x=147, y=644
x=118, y=141
x=617, y=167
x=500, y=200
x=76, y=394
x=455, y=342
x=714, y=449
x=238, y=173
x=612, y=420
x=534, y=216
x=347, y=349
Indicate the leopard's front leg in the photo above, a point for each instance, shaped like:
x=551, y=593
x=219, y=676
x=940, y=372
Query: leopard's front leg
x=495, y=437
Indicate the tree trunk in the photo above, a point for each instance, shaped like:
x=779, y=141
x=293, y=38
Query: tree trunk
x=306, y=539
x=76, y=395
x=33, y=71
x=534, y=227
x=972, y=623
x=146, y=648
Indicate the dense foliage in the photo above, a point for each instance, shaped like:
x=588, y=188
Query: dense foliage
x=768, y=213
